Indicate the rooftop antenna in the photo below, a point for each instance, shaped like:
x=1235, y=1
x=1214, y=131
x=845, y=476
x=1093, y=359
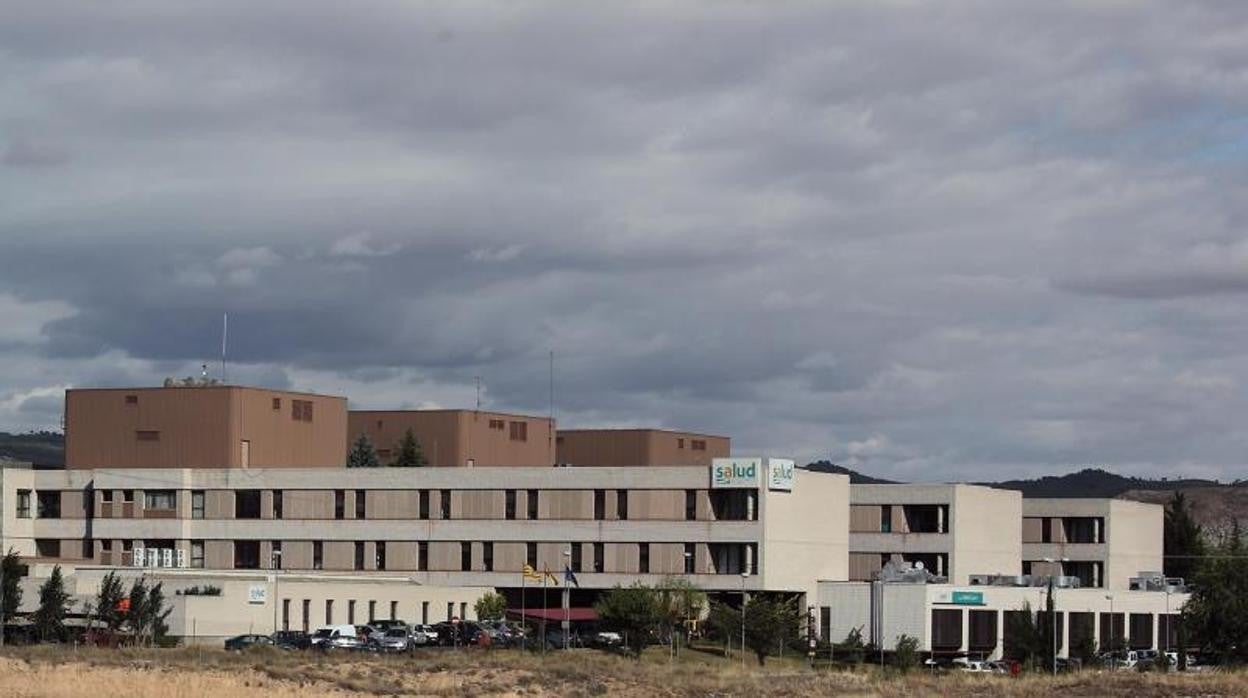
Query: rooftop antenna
x=478, y=393
x=225, y=332
x=550, y=424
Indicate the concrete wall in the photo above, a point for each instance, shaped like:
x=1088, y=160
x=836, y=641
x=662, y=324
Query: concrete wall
x=805, y=532
x=458, y=437
x=638, y=447
x=987, y=532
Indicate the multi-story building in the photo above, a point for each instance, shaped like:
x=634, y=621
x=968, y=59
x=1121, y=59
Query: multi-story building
x=459, y=437
x=1103, y=542
x=634, y=447
x=954, y=531
x=203, y=426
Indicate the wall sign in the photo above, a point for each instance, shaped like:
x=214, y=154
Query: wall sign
x=735, y=473
x=780, y=474
x=257, y=594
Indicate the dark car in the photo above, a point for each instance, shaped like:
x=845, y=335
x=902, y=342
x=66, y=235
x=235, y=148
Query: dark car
x=242, y=642
x=292, y=639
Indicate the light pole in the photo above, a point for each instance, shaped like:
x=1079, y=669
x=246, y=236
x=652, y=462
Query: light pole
x=1166, y=583
x=275, y=561
x=1053, y=602
x=567, y=600
x=744, y=576
x=684, y=607
x=1113, y=650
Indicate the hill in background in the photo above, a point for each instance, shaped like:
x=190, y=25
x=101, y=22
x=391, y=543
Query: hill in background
x=44, y=449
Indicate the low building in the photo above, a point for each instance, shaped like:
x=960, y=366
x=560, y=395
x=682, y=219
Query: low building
x=951, y=530
x=1103, y=542
x=459, y=437
x=975, y=621
x=203, y=426
x=638, y=447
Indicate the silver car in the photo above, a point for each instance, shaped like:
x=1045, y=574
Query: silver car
x=392, y=640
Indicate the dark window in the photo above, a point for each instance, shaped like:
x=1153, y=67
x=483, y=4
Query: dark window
x=600, y=505
x=691, y=555
x=599, y=557
x=381, y=555
x=351, y=612
x=422, y=556
x=48, y=505
x=340, y=504
x=277, y=403
x=361, y=505
x=197, y=504
x=450, y=610
x=318, y=555
x=197, y=554
x=1113, y=633
x=519, y=431
x=680, y=443
x=509, y=506
x=424, y=612
x=424, y=504
x=106, y=546
x=329, y=611
x=577, y=557
x=697, y=445
x=127, y=546
x=465, y=557
x=532, y=504
x=106, y=496
x=277, y=504
x=247, y=504
x=88, y=549
x=285, y=614
x=446, y=504
x=394, y=610
x=1141, y=631
x=301, y=410
x=147, y=435
x=983, y=631
x=159, y=499
x=47, y=547
x=498, y=424
x=246, y=554
x=487, y=556
x=359, y=555
x=621, y=505
x=372, y=611
x=23, y=504
x=530, y=555
x=886, y=518
x=946, y=629
x=127, y=496
x=307, y=613
x=691, y=505
x=643, y=558
x=132, y=399
x=275, y=553
x=463, y=610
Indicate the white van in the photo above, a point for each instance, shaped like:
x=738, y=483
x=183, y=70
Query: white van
x=335, y=635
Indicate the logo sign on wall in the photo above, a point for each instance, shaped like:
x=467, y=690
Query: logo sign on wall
x=735, y=473
x=257, y=593
x=780, y=474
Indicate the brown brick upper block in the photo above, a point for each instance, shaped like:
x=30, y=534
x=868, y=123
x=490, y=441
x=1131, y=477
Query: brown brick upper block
x=459, y=437
x=644, y=447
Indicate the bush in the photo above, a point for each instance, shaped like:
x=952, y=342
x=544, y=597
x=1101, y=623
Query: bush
x=906, y=655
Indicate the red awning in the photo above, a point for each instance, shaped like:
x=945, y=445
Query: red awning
x=555, y=614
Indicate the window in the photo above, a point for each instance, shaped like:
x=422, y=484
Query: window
x=424, y=612
x=530, y=555
x=599, y=557
x=886, y=518
x=197, y=554
x=318, y=555
x=380, y=557
x=301, y=410
x=519, y=431
x=359, y=555
x=351, y=612
x=372, y=611
x=422, y=556
x=246, y=554
x=132, y=399
x=497, y=424
x=691, y=505
x=600, y=505
x=946, y=629
x=340, y=505
x=47, y=547
x=577, y=557
x=106, y=496
x=424, y=504
x=106, y=546
x=197, y=504
x=277, y=403
x=446, y=504
x=697, y=445
x=23, y=504
x=158, y=499
x=277, y=504
x=643, y=558
x=285, y=614
x=465, y=557
x=463, y=610
x=361, y=505
x=127, y=546
x=509, y=507
x=450, y=610
x=487, y=556
x=48, y=505
x=275, y=554
x=247, y=504
x=127, y=496
x=621, y=505
x=691, y=556
x=532, y=504
x=147, y=435
x=329, y=611
x=307, y=614
x=680, y=443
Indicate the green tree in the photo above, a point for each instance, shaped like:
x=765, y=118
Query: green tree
x=54, y=603
x=906, y=653
x=410, y=455
x=681, y=600
x=1184, y=540
x=362, y=454
x=634, y=611
x=1083, y=648
x=108, y=601
x=1024, y=640
x=1216, y=615
x=852, y=648
x=491, y=606
x=768, y=624
x=147, y=611
x=723, y=622
x=11, y=572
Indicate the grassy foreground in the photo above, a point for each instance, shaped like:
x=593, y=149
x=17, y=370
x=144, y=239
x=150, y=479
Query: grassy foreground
x=47, y=671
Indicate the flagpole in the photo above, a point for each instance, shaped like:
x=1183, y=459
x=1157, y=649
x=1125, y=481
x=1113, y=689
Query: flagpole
x=524, y=617
x=543, y=614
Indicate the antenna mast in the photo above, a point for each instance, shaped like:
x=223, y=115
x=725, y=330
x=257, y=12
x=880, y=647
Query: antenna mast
x=550, y=424
x=225, y=331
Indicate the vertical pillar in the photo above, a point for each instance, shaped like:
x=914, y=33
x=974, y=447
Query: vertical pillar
x=940, y=519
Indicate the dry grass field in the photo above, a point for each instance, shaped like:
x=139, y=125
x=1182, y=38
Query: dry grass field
x=31, y=672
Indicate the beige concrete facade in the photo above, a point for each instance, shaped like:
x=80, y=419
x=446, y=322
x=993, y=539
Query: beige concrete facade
x=638, y=447
x=1104, y=542
x=961, y=619
x=203, y=427
x=954, y=530
x=459, y=437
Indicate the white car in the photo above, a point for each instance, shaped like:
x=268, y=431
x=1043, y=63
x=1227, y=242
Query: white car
x=424, y=635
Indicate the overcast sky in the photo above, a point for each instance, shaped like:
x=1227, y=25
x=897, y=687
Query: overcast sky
x=926, y=240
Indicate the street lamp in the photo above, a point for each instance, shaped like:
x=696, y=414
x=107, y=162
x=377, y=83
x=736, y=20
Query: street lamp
x=745, y=574
x=1053, y=614
x=567, y=598
x=275, y=561
x=1113, y=650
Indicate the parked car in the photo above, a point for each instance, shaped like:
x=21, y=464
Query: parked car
x=976, y=667
x=292, y=639
x=336, y=637
x=389, y=624
x=423, y=634
x=608, y=639
x=392, y=640
x=554, y=639
x=242, y=642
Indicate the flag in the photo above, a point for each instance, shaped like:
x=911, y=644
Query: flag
x=547, y=574
x=569, y=578
x=530, y=573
